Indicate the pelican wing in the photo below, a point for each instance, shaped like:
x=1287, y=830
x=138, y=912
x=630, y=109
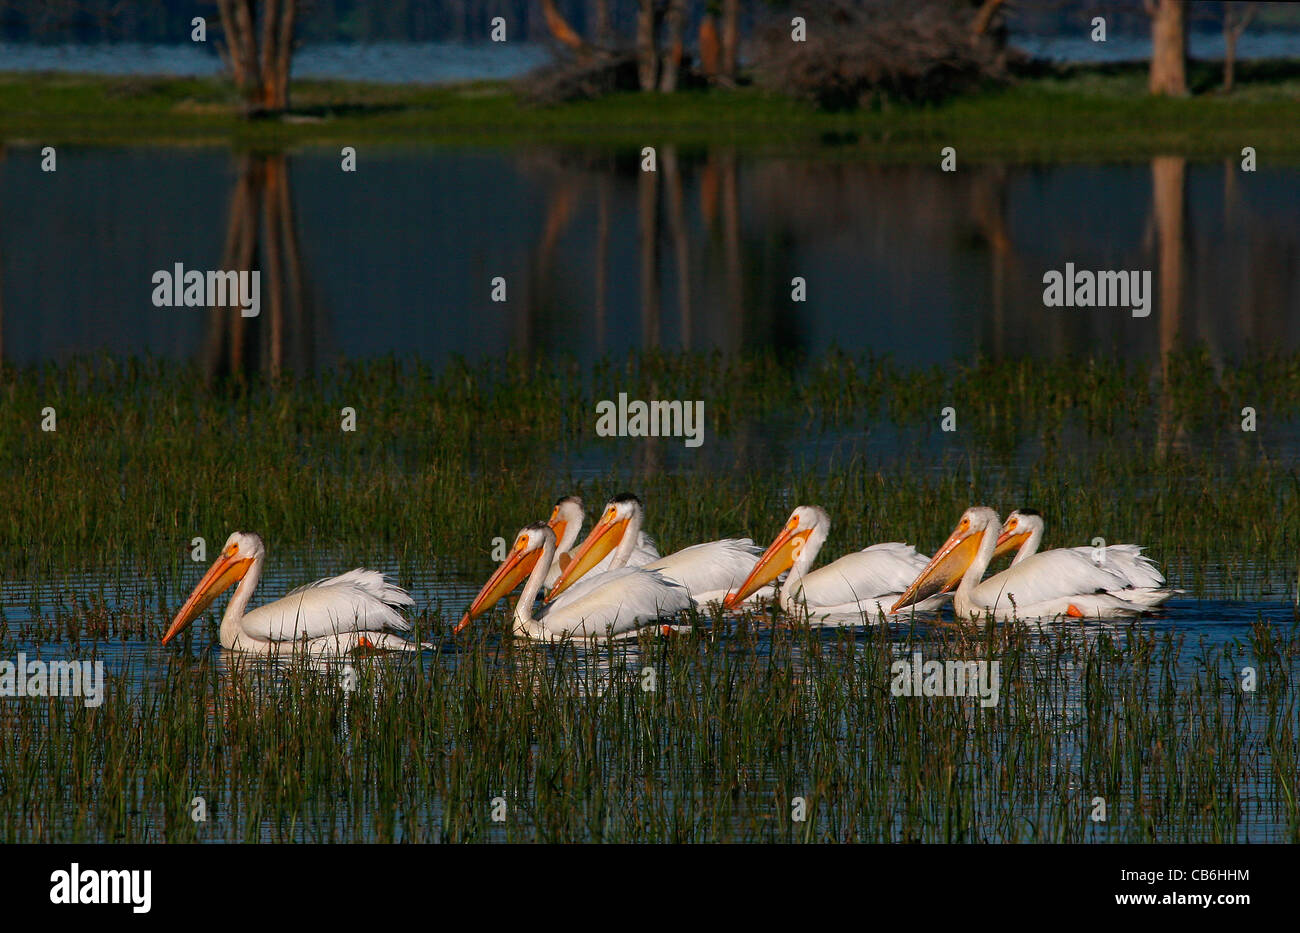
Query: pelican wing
x=863, y=576
x=711, y=567
x=614, y=602
x=1047, y=576
x=1128, y=561
x=357, y=601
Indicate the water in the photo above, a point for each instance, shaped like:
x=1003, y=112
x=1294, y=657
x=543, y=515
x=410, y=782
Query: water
x=446, y=62
x=1211, y=626
x=381, y=62
x=1119, y=47
x=898, y=260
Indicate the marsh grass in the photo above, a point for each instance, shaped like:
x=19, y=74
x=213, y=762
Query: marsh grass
x=148, y=455
x=745, y=716
x=742, y=720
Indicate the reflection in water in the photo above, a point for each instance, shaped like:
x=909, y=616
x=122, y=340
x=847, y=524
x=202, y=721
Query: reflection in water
x=602, y=258
x=261, y=233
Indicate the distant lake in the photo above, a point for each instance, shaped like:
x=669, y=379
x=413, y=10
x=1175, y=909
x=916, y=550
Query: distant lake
x=384, y=62
x=444, y=62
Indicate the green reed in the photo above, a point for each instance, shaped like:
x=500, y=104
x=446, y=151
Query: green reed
x=149, y=454
x=704, y=737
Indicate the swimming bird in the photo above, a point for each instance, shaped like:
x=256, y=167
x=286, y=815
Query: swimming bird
x=333, y=616
x=864, y=583
x=1022, y=532
x=1055, y=583
x=566, y=521
x=709, y=570
x=613, y=603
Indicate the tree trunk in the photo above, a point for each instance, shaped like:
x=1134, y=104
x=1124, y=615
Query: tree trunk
x=672, y=63
x=709, y=50
x=559, y=27
x=730, y=38
x=984, y=17
x=1168, y=47
x=1233, y=27
x=646, y=55
x=603, y=31
x=259, y=65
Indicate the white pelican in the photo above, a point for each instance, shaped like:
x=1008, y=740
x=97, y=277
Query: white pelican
x=862, y=583
x=709, y=571
x=1022, y=532
x=357, y=610
x=1055, y=583
x=566, y=521
x=613, y=603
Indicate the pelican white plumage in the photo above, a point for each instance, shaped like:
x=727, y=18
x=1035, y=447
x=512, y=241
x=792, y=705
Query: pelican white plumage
x=1022, y=532
x=333, y=616
x=857, y=586
x=566, y=521
x=1044, y=586
x=708, y=571
x=614, y=603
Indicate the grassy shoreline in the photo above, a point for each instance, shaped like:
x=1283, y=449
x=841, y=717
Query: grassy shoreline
x=1099, y=113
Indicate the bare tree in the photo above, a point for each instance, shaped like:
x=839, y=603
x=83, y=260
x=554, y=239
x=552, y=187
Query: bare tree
x=647, y=25
x=560, y=29
x=259, y=63
x=730, y=38
x=1168, y=47
x=1236, y=17
x=672, y=62
x=984, y=18
x=604, y=32
x=708, y=44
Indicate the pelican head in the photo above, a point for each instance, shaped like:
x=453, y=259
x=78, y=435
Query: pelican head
x=951, y=561
x=528, y=548
x=783, y=552
x=1017, y=529
x=620, y=513
x=242, y=549
x=566, y=514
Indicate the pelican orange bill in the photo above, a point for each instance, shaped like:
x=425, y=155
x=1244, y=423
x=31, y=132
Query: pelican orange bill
x=945, y=568
x=779, y=557
x=1009, y=541
x=512, y=570
x=228, y=570
x=600, y=542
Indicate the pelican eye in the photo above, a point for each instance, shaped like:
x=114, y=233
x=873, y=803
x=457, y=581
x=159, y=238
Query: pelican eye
x=520, y=542
x=793, y=523
x=232, y=549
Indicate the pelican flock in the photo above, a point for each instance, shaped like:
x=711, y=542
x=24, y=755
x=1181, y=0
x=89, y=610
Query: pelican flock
x=616, y=583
